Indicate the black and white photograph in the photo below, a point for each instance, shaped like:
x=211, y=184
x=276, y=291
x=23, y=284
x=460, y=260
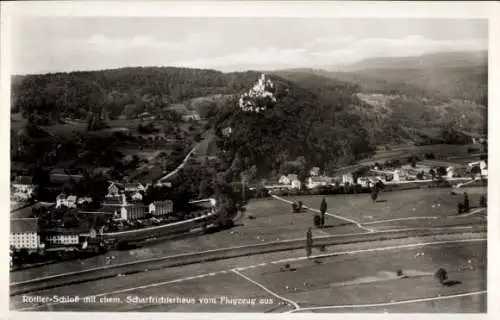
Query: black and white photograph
x=248, y=164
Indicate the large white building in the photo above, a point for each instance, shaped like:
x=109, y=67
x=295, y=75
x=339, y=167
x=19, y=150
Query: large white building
x=318, y=181
x=161, y=208
x=347, y=178
x=287, y=179
x=131, y=212
x=24, y=233
x=62, y=236
x=314, y=171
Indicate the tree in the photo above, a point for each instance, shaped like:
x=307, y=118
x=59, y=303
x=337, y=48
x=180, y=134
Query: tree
x=226, y=207
x=441, y=275
x=466, y=202
x=317, y=221
x=309, y=242
x=482, y=201
x=441, y=171
x=322, y=209
x=485, y=146
x=420, y=175
x=379, y=186
x=475, y=170
x=432, y=173
x=261, y=192
x=205, y=189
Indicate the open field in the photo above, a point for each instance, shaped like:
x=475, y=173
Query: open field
x=371, y=278
x=427, y=203
x=25, y=212
x=274, y=219
x=366, y=275
x=463, y=303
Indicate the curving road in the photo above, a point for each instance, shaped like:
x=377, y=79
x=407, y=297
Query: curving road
x=179, y=167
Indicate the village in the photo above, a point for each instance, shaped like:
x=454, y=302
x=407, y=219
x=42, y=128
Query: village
x=390, y=173
x=124, y=207
x=71, y=223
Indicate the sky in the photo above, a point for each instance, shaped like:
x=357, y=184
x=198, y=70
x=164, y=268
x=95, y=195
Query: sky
x=61, y=44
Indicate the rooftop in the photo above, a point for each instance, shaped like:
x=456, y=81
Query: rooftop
x=105, y=209
x=132, y=185
x=24, y=225
x=63, y=178
x=23, y=180
x=66, y=230
x=162, y=202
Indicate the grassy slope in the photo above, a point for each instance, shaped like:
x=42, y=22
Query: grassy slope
x=398, y=204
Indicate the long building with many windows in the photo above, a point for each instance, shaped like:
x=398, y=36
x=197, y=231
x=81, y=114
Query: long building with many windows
x=24, y=233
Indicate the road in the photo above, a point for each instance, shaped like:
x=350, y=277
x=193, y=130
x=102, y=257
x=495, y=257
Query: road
x=186, y=159
x=179, y=167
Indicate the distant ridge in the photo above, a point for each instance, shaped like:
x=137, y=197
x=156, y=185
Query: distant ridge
x=431, y=60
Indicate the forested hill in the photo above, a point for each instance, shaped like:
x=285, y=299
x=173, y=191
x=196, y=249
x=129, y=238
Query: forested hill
x=311, y=118
x=301, y=126
x=125, y=91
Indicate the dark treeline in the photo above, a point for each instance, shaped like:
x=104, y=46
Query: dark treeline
x=127, y=91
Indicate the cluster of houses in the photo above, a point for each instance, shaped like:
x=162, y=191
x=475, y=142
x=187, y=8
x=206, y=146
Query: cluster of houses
x=315, y=180
x=123, y=202
x=375, y=174
x=25, y=233
x=22, y=188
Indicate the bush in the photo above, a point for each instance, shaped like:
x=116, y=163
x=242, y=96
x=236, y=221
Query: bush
x=420, y=175
x=441, y=275
x=317, y=221
x=300, y=206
